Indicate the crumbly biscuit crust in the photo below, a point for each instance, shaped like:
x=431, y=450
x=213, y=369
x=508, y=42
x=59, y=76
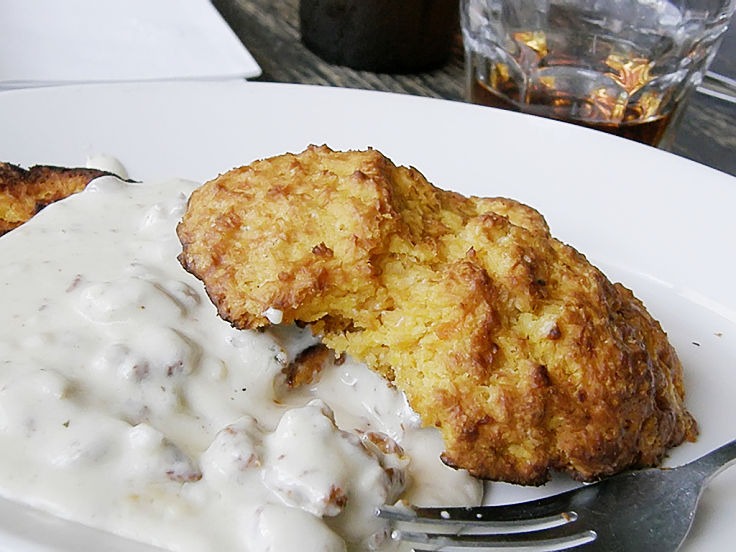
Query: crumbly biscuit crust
x=525, y=356
x=24, y=192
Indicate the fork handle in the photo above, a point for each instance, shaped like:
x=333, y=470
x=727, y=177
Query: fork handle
x=715, y=462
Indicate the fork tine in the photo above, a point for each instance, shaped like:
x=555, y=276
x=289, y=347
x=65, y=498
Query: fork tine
x=557, y=509
x=471, y=519
x=559, y=538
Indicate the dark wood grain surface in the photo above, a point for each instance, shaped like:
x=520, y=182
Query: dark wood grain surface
x=270, y=31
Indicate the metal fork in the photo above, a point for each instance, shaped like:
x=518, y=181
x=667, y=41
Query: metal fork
x=638, y=511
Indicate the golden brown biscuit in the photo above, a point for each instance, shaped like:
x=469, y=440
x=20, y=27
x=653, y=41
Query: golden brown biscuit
x=520, y=351
x=23, y=193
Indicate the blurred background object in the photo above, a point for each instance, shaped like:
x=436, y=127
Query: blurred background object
x=270, y=29
x=626, y=67
x=52, y=42
x=380, y=35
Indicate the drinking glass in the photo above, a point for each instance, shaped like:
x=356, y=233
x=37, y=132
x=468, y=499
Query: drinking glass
x=621, y=66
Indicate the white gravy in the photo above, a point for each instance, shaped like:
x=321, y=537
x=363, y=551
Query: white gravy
x=126, y=403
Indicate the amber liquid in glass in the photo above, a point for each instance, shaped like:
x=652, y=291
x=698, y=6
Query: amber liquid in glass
x=574, y=69
x=556, y=105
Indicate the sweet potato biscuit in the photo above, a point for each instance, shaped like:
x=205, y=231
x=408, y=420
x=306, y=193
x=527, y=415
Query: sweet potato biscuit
x=23, y=193
x=520, y=351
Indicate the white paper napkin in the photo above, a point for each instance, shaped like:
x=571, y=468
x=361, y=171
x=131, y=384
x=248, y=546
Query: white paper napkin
x=46, y=42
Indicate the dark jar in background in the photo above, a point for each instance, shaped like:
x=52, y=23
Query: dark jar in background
x=384, y=36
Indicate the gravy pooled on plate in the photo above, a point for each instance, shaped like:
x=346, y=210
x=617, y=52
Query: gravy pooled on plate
x=128, y=405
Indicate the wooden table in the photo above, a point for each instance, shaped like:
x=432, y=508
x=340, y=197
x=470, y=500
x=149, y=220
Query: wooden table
x=270, y=31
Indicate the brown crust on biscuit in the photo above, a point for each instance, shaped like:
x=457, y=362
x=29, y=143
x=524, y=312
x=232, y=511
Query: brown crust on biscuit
x=525, y=356
x=24, y=192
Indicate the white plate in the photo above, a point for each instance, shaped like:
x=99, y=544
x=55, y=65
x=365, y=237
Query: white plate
x=658, y=223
